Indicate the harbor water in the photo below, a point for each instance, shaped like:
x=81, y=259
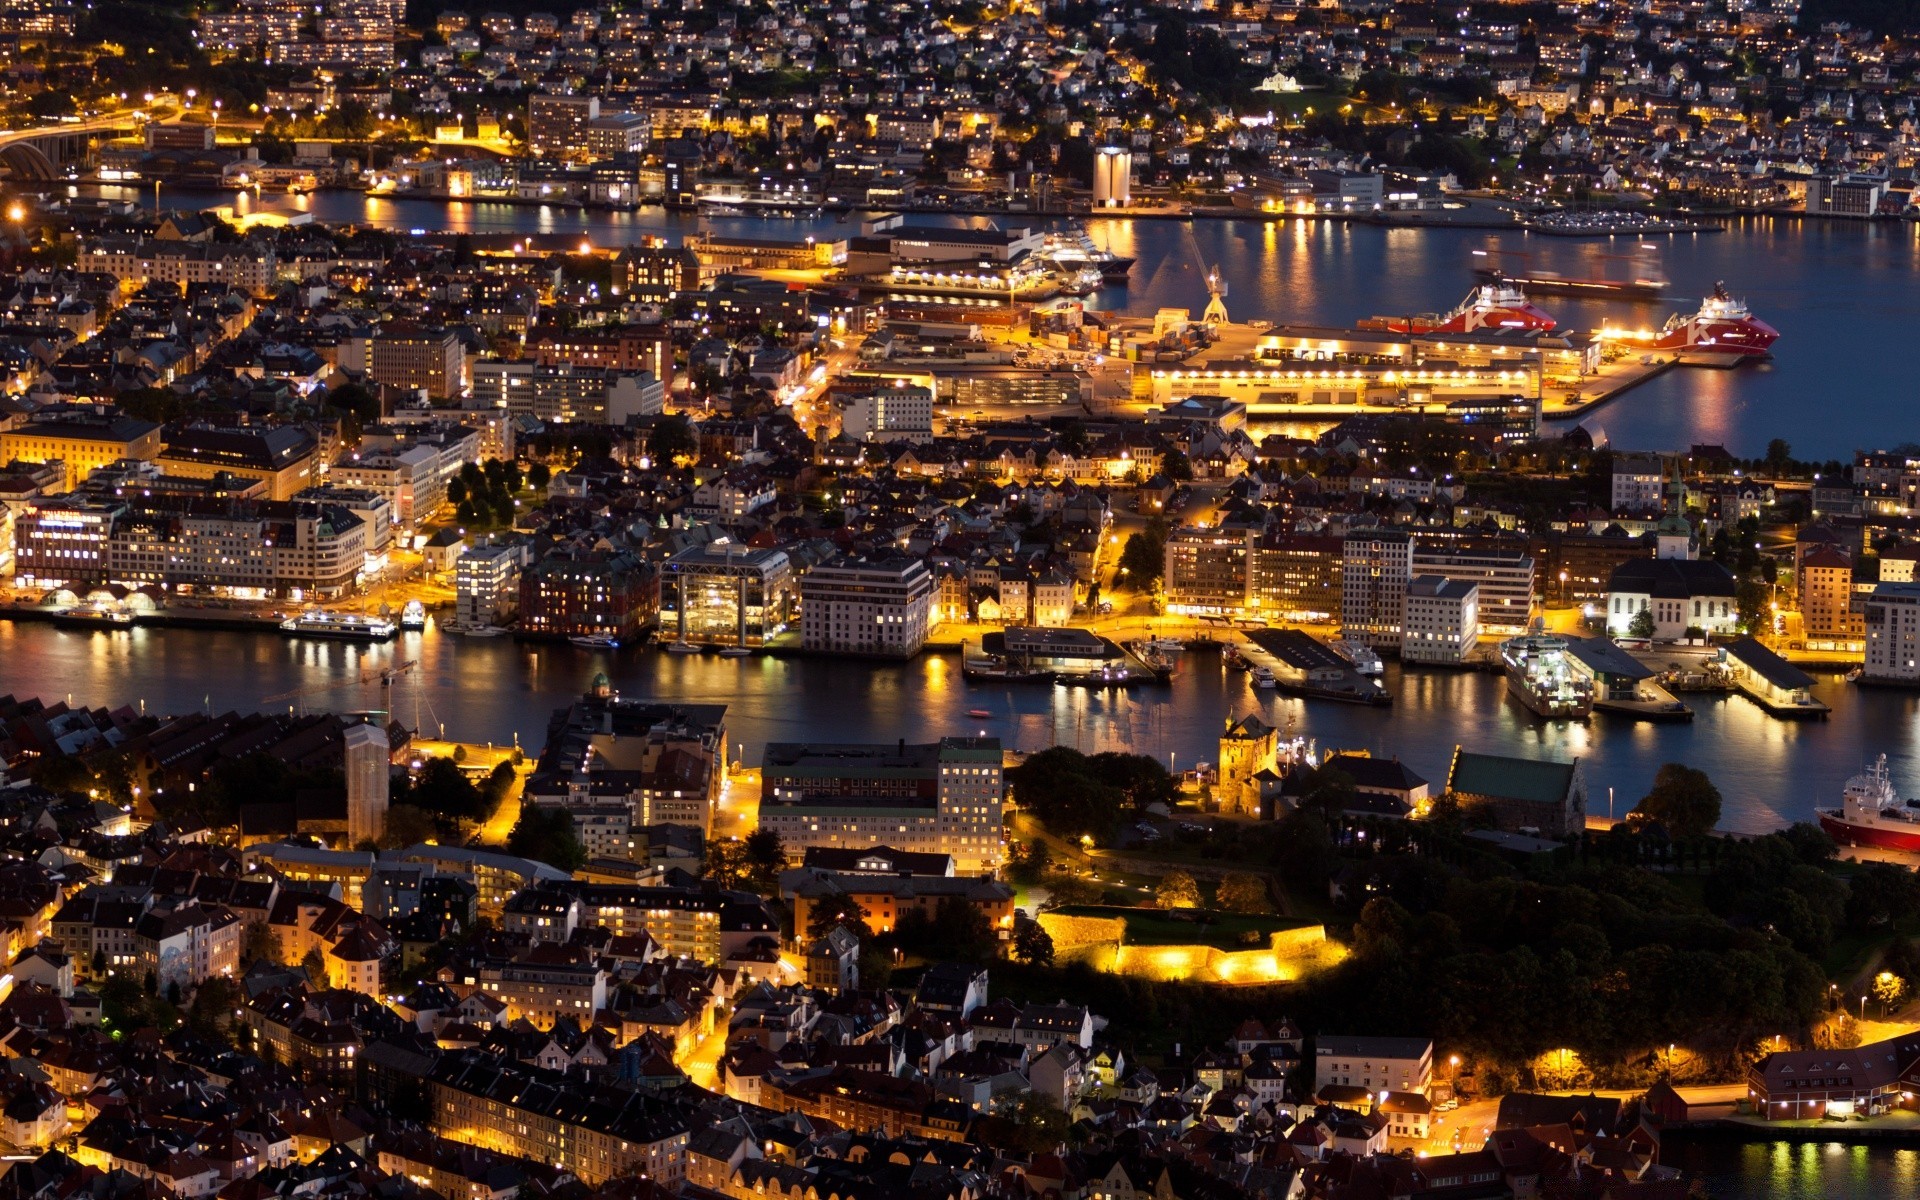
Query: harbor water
x=1771, y=772
x=1844, y=295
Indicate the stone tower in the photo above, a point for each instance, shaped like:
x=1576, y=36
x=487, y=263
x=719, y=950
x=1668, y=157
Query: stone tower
x=1248, y=747
x=369, y=759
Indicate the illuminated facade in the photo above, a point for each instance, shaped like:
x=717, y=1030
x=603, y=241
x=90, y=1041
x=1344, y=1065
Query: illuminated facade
x=725, y=594
x=940, y=798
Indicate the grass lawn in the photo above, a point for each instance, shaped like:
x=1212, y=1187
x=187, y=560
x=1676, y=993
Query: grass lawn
x=1158, y=927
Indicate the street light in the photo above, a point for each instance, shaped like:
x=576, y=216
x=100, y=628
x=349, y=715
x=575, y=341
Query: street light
x=1863, y=1008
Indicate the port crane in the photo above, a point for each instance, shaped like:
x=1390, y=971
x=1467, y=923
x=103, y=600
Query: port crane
x=1216, y=310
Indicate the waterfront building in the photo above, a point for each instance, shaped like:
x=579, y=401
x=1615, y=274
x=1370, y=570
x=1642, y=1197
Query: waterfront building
x=1442, y=624
x=1205, y=570
x=725, y=594
x=1376, y=567
x=559, y=126
x=1112, y=177
x=1521, y=794
x=589, y=592
x=1504, y=580
x=486, y=585
x=1891, y=617
x=64, y=542
x=880, y=604
x=80, y=440
x=1680, y=594
x=1829, y=617
x=1831, y=1084
x=1249, y=766
x=939, y=798
x=1297, y=577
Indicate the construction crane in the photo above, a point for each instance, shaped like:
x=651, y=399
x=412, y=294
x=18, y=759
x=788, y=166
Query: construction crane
x=1216, y=310
x=384, y=676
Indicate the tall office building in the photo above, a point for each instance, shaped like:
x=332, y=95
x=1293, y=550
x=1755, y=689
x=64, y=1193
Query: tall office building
x=369, y=759
x=1376, y=566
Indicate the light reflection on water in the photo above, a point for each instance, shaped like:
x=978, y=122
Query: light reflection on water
x=1843, y=295
x=1770, y=771
x=1788, y=1171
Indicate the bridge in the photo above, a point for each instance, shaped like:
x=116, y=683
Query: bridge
x=43, y=152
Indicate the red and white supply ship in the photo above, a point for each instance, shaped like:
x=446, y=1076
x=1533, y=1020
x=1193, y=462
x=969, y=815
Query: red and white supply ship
x=1500, y=304
x=1721, y=333
x=1871, y=813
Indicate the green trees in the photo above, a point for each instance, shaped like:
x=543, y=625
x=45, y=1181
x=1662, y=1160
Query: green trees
x=1177, y=890
x=672, y=438
x=1144, y=558
x=1241, y=892
x=1683, y=800
x=1642, y=624
x=1075, y=794
x=546, y=835
x=1033, y=945
x=956, y=930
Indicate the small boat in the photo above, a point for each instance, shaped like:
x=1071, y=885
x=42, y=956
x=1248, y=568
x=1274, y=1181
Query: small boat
x=595, y=641
x=318, y=623
x=413, y=616
x=1263, y=677
x=483, y=631
x=736, y=652
x=1167, y=643
x=682, y=648
x=979, y=714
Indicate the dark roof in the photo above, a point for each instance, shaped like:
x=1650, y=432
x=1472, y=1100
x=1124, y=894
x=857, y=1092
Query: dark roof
x=1768, y=665
x=1605, y=658
x=1672, y=578
x=1383, y=774
x=1537, y=781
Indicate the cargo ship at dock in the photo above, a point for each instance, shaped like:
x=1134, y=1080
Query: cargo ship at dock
x=1495, y=306
x=1871, y=813
x=1540, y=675
x=1722, y=332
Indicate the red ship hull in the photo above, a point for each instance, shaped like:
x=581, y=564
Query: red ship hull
x=1849, y=834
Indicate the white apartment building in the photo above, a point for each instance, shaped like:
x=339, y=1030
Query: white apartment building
x=1893, y=633
x=486, y=583
x=1376, y=566
x=1442, y=622
x=858, y=605
x=408, y=478
x=1637, y=484
x=1505, y=579
x=1378, y=1064
x=897, y=414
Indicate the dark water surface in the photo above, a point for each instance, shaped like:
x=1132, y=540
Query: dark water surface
x=1845, y=297
x=494, y=689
